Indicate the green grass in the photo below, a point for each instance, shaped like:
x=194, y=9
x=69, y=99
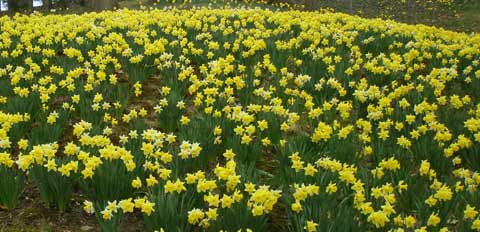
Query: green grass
x=461, y=17
x=468, y=19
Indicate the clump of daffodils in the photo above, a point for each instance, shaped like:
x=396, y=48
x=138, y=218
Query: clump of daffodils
x=194, y=118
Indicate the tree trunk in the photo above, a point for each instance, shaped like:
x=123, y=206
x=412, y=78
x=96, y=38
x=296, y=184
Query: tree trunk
x=12, y=5
x=350, y=6
x=309, y=4
x=412, y=14
x=47, y=4
x=30, y=5
x=100, y=5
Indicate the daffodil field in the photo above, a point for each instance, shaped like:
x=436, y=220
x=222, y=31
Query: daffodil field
x=241, y=120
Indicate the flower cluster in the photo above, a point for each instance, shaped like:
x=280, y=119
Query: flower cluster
x=236, y=119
